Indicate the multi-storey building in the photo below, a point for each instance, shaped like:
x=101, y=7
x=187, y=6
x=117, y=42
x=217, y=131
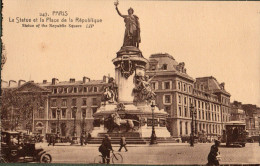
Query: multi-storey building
x=237, y=112
x=176, y=91
x=83, y=96
x=252, y=119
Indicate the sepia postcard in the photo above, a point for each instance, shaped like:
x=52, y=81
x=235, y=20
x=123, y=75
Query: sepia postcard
x=130, y=82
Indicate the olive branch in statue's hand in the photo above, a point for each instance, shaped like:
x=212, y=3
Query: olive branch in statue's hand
x=116, y=3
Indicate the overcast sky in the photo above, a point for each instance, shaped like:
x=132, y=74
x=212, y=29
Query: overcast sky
x=220, y=39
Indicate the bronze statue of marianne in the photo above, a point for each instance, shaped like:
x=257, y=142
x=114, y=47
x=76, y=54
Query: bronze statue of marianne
x=132, y=28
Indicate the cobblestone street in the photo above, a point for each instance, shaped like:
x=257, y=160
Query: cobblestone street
x=159, y=154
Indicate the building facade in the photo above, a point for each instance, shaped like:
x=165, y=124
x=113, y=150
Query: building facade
x=252, y=119
x=176, y=91
x=237, y=112
x=60, y=99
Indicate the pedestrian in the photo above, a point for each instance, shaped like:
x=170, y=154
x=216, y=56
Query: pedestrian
x=51, y=140
x=214, y=152
x=259, y=139
x=105, y=149
x=82, y=139
x=122, y=144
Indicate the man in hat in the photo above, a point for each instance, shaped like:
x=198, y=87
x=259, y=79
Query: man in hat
x=214, y=152
x=105, y=148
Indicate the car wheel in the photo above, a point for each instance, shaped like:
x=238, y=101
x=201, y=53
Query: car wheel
x=45, y=158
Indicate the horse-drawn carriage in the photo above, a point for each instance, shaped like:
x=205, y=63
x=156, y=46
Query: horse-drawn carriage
x=14, y=149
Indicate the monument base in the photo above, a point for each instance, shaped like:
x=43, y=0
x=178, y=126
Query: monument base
x=141, y=116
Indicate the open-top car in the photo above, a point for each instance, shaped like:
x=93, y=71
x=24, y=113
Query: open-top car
x=14, y=149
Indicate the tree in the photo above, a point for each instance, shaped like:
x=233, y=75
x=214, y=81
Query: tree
x=18, y=108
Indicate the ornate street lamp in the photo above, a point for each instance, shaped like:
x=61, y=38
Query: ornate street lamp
x=192, y=128
x=58, y=126
x=153, y=136
x=74, y=137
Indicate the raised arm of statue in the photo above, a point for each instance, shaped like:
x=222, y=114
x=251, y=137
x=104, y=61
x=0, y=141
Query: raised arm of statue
x=120, y=13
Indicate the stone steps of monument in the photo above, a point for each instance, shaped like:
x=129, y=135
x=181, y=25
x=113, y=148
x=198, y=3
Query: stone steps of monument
x=133, y=140
x=116, y=140
x=162, y=140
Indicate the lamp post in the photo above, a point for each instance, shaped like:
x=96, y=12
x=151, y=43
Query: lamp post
x=153, y=136
x=83, y=133
x=58, y=126
x=195, y=117
x=74, y=137
x=192, y=128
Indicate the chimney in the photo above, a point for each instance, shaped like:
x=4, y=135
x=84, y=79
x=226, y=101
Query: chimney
x=54, y=81
x=21, y=82
x=85, y=79
x=12, y=83
x=44, y=81
x=72, y=80
x=105, y=78
x=222, y=85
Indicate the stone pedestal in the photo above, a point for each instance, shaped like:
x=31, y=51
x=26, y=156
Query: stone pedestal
x=130, y=65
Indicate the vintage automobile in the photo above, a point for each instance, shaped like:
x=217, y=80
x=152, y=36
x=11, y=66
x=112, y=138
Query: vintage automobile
x=15, y=150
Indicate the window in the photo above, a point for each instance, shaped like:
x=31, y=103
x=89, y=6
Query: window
x=73, y=114
x=41, y=113
x=95, y=89
x=186, y=128
x=189, y=89
x=64, y=102
x=74, y=102
x=180, y=128
x=153, y=85
x=201, y=87
x=167, y=109
x=185, y=100
x=84, y=102
x=85, y=89
x=180, y=99
x=202, y=114
x=94, y=102
x=75, y=90
x=65, y=90
x=179, y=85
x=167, y=99
x=184, y=87
x=185, y=112
x=180, y=111
x=63, y=113
x=195, y=103
x=55, y=90
x=54, y=103
x=199, y=104
x=53, y=114
x=164, y=67
x=202, y=105
x=84, y=113
x=199, y=115
x=167, y=85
